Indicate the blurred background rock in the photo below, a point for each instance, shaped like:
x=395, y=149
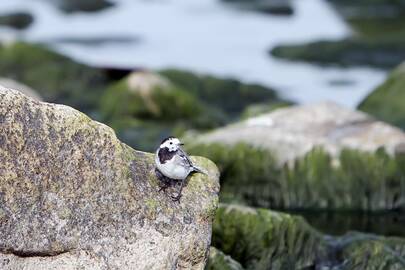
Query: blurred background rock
x=244, y=84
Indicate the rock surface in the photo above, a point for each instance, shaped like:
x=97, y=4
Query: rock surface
x=72, y=196
x=292, y=132
x=18, y=20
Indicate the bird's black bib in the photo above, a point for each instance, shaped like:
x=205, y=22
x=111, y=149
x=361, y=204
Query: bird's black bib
x=165, y=155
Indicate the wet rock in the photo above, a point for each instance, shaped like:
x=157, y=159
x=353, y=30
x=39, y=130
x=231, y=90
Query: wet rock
x=387, y=101
x=73, y=196
x=18, y=20
x=219, y=261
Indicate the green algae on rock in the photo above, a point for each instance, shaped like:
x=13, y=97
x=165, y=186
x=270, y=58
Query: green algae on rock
x=73, y=196
x=56, y=77
x=214, y=91
x=264, y=239
x=217, y=260
x=17, y=20
x=387, y=101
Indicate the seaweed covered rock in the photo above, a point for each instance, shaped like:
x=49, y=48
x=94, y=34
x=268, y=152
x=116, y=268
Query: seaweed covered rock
x=82, y=5
x=73, y=196
x=145, y=106
x=377, y=38
x=309, y=157
x=217, y=260
x=56, y=77
x=214, y=91
x=275, y=7
x=264, y=239
x=372, y=252
x=18, y=20
x=346, y=52
x=387, y=101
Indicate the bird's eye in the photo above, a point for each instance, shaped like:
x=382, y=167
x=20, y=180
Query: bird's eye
x=171, y=143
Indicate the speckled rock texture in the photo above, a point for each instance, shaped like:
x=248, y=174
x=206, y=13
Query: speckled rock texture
x=72, y=196
x=292, y=132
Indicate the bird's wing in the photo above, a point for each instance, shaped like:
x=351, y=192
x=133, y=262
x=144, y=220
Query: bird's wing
x=184, y=158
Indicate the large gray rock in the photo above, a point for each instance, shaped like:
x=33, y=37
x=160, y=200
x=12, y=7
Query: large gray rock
x=72, y=196
x=292, y=132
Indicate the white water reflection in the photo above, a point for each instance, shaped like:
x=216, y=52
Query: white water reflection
x=208, y=37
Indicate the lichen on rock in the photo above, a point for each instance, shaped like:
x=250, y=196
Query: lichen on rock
x=73, y=196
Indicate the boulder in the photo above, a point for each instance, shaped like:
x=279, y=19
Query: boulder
x=387, y=101
x=18, y=20
x=265, y=239
x=309, y=157
x=292, y=132
x=72, y=196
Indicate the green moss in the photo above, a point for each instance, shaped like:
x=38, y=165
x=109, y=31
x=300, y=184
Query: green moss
x=356, y=181
x=387, y=101
x=263, y=239
x=57, y=78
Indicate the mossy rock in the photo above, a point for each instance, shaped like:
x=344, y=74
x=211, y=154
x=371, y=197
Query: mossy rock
x=70, y=6
x=227, y=94
x=387, y=102
x=217, y=260
x=161, y=101
x=346, y=52
x=57, y=78
x=264, y=239
x=354, y=181
x=18, y=20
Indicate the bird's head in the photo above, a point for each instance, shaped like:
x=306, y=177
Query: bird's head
x=171, y=143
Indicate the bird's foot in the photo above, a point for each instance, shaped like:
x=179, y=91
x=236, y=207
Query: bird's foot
x=176, y=198
x=165, y=182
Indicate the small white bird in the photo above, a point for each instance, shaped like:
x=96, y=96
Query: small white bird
x=172, y=163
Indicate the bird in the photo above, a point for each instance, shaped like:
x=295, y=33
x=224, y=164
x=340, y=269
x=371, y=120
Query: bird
x=173, y=164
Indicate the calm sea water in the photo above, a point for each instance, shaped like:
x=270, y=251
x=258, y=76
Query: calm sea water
x=204, y=36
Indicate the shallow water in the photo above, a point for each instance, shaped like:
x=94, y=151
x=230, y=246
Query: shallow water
x=205, y=36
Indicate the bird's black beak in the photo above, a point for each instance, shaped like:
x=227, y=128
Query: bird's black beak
x=181, y=144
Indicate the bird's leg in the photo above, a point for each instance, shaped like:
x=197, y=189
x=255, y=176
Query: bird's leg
x=166, y=182
x=178, y=196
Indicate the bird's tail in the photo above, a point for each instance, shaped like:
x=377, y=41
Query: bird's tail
x=199, y=170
